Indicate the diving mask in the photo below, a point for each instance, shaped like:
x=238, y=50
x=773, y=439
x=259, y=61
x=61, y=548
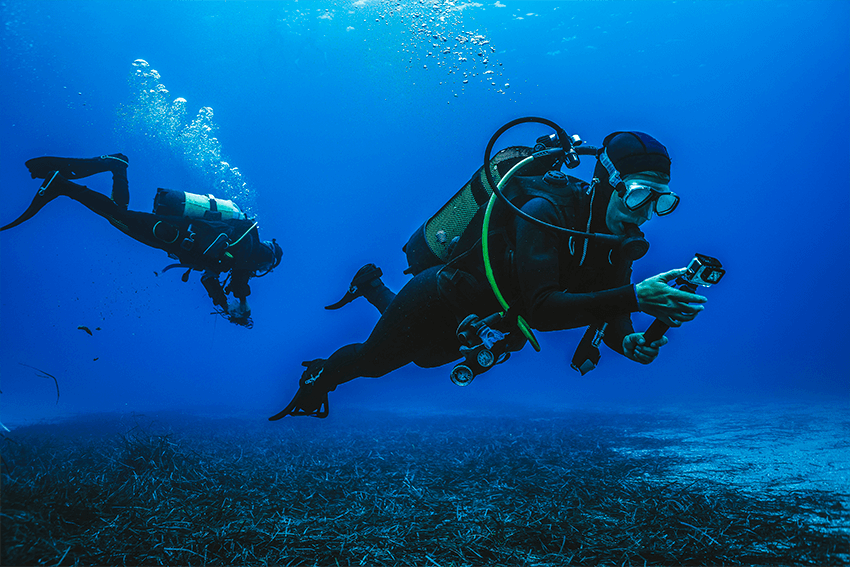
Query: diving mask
x=642, y=189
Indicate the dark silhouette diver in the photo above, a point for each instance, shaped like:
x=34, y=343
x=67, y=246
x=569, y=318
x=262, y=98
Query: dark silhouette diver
x=201, y=232
x=477, y=295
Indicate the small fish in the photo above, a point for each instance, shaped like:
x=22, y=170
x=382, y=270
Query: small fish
x=156, y=273
x=84, y=328
x=95, y=358
x=97, y=328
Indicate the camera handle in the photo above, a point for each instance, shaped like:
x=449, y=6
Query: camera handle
x=657, y=329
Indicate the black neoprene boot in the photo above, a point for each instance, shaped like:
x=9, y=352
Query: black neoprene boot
x=311, y=399
x=367, y=283
x=77, y=168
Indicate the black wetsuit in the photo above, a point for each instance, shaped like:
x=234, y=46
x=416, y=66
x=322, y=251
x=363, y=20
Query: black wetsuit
x=554, y=282
x=188, y=240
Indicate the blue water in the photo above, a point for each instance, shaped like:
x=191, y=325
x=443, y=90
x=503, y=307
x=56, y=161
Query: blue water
x=348, y=127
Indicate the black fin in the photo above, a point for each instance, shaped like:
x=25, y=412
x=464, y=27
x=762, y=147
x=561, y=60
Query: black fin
x=44, y=195
x=307, y=402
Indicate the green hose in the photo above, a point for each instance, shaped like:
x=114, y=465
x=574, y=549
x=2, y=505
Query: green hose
x=485, y=247
x=244, y=235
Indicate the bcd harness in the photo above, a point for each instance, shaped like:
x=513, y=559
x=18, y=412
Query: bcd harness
x=483, y=341
x=201, y=231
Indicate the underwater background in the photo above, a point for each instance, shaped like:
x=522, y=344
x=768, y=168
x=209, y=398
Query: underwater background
x=349, y=129
x=343, y=126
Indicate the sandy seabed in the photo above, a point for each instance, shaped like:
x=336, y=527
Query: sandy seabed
x=739, y=484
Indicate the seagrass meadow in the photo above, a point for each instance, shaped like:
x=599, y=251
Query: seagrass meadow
x=576, y=487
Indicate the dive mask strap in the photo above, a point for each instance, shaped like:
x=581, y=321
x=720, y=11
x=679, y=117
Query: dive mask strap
x=614, y=178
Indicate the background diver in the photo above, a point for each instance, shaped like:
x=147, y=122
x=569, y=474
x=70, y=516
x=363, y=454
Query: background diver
x=201, y=232
x=551, y=281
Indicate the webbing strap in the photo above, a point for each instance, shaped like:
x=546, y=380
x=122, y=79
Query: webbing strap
x=614, y=178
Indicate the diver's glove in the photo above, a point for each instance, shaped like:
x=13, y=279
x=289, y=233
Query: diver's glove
x=239, y=313
x=311, y=399
x=239, y=308
x=245, y=321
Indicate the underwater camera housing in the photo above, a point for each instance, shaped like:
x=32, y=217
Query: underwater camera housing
x=703, y=271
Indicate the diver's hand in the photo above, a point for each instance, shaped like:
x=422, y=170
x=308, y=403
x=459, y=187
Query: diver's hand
x=239, y=310
x=670, y=305
x=635, y=348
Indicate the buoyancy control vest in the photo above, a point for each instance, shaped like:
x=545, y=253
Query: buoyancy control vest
x=206, y=245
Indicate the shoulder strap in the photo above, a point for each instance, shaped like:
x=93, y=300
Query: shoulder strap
x=567, y=194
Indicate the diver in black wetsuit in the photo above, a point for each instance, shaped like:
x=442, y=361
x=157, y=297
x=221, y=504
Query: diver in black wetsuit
x=213, y=244
x=553, y=281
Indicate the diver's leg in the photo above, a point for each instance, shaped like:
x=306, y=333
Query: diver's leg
x=149, y=229
x=379, y=295
x=367, y=283
x=417, y=326
x=120, y=187
x=77, y=168
x=146, y=228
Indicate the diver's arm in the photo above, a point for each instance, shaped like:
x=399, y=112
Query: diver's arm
x=620, y=335
x=617, y=330
x=238, y=285
x=213, y=287
x=621, y=326
x=240, y=289
x=538, y=269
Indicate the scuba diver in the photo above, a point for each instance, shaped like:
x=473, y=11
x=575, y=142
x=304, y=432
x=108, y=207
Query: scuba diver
x=201, y=232
x=544, y=251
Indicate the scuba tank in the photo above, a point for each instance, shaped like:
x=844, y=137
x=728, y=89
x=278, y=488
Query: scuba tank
x=433, y=242
x=171, y=203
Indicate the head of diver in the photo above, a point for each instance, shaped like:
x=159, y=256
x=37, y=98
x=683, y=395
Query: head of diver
x=633, y=172
x=270, y=255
